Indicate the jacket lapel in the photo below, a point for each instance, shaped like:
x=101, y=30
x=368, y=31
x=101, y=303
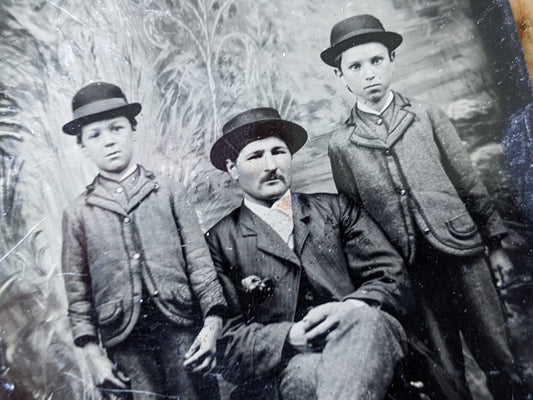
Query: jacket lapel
x=301, y=219
x=401, y=119
x=364, y=136
x=98, y=196
x=268, y=240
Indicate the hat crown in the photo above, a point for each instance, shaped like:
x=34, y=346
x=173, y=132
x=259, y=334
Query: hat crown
x=354, y=26
x=250, y=117
x=95, y=92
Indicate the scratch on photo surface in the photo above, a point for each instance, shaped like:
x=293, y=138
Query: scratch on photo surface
x=157, y=395
x=66, y=12
x=22, y=240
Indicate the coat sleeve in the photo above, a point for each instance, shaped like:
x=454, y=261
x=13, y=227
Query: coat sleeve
x=375, y=267
x=77, y=278
x=462, y=174
x=248, y=349
x=345, y=182
x=202, y=276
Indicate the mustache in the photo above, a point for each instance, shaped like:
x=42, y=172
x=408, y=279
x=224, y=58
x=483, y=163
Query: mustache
x=273, y=175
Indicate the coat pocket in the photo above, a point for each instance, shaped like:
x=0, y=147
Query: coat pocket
x=462, y=226
x=109, y=312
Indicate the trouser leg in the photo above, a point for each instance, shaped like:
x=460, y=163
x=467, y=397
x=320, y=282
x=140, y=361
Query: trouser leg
x=483, y=326
x=360, y=357
x=153, y=355
x=357, y=362
x=434, y=322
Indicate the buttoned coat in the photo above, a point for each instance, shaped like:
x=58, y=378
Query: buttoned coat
x=420, y=175
x=110, y=250
x=343, y=253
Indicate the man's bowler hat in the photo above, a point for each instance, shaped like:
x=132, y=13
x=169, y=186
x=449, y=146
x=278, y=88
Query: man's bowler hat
x=252, y=125
x=357, y=30
x=98, y=101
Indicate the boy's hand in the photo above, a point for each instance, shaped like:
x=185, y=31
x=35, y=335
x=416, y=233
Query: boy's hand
x=101, y=367
x=201, y=355
x=500, y=261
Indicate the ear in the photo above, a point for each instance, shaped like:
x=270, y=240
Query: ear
x=231, y=167
x=392, y=56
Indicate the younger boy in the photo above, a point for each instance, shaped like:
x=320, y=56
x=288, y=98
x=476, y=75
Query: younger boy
x=404, y=162
x=138, y=274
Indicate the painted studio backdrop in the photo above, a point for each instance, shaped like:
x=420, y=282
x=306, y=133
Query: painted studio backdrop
x=192, y=64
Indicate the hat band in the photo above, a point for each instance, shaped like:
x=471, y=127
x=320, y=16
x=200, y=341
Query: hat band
x=99, y=106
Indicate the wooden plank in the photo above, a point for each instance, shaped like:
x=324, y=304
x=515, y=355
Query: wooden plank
x=523, y=14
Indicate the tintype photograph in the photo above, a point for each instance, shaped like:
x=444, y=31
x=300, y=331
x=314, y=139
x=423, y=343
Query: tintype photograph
x=230, y=199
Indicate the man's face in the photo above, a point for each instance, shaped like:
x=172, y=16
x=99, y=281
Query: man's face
x=109, y=144
x=263, y=169
x=367, y=71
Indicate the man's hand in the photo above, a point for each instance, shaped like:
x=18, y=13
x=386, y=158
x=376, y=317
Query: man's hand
x=297, y=338
x=499, y=261
x=323, y=319
x=201, y=355
x=101, y=368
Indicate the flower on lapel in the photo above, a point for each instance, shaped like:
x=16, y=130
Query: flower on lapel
x=258, y=289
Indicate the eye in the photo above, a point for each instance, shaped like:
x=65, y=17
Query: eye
x=254, y=156
x=377, y=60
x=355, y=67
x=94, y=134
x=279, y=150
x=117, y=128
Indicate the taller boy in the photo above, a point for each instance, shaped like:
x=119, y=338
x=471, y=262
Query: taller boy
x=404, y=162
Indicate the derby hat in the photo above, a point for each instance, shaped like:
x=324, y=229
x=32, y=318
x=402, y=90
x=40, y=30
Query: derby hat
x=357, y=30
x=252, y=125
x=98, y=101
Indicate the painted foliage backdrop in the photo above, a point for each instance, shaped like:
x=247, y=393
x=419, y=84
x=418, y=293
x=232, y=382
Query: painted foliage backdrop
x=192, y=64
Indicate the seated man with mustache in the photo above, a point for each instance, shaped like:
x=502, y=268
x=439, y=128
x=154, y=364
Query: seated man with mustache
x=316, y=288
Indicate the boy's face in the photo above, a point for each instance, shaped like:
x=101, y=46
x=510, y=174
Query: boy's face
x=109, y=144
x=263, y=170
x=367, y=71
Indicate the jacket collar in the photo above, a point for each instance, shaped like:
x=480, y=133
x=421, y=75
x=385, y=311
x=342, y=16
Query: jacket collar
x=268, y=240
x=98, y=196
x=402, y=118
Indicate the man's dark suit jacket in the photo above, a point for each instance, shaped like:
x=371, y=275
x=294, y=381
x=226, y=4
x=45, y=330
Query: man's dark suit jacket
x=344, y=254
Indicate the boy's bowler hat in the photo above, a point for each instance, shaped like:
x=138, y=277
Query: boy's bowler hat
x=252, y=125
x=357, y=30
x=98, y=101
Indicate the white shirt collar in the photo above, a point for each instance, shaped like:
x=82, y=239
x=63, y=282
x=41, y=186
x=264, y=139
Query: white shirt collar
x=370, y=110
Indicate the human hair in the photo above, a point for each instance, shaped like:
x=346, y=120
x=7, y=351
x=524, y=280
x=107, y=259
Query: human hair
x=131, y=120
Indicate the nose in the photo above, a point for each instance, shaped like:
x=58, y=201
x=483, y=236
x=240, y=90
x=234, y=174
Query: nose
x=109, y=139
x=368, y=72
x=270, y=163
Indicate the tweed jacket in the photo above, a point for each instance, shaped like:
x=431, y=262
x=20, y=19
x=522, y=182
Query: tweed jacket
x=109, y=251
x=420, y=178
x=343, y=253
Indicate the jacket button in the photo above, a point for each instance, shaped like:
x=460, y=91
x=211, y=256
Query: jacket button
x=403, y=192
x=136, y=256
x=126, y=220
x=119, y=190
x=387, y=152
x=426, y=231
x=156, y=293
x=379, y=121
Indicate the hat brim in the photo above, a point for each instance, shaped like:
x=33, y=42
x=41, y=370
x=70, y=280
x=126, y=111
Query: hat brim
x=129, y=110
x=390, y=39
x=230, y=145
